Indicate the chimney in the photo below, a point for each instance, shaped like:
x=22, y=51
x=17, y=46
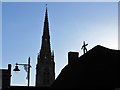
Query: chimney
x=72, y=56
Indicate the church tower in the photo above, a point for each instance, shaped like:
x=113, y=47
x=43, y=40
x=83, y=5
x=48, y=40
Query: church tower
x=45, y=70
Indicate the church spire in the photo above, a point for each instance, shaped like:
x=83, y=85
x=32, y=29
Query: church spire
x=46, y=25
x=45, y=47
x=45, y=70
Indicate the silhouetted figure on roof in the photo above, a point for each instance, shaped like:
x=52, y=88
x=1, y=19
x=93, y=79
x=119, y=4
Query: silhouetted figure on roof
x=84, y=47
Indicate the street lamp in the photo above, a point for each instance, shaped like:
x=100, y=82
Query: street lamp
x=26, y=67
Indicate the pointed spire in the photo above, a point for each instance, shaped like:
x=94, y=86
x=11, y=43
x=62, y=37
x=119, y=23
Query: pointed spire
x=45, y=60
x=46, y=14
x=46, y=25
x=45, y=47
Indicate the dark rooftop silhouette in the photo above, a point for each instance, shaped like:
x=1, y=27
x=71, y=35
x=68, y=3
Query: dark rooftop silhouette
x=99, y=67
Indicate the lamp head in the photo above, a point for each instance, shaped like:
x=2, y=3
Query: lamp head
x=16, y=68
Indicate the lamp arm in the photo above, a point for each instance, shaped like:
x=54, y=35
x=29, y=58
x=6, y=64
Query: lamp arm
x=21, y=64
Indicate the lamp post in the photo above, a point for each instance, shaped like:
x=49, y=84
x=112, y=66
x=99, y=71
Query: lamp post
x=26, y=67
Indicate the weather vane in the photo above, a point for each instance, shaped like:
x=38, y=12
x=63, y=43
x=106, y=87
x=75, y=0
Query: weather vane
x=84, y=47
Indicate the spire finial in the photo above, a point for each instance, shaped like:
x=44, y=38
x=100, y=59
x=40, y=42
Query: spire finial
x=46, y=5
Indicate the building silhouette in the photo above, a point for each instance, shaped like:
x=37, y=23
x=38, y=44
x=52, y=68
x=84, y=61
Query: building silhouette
x=99, y=68
x=5, y=78
x=45, y=69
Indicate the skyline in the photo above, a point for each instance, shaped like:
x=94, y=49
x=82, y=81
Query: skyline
x=69, y=26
